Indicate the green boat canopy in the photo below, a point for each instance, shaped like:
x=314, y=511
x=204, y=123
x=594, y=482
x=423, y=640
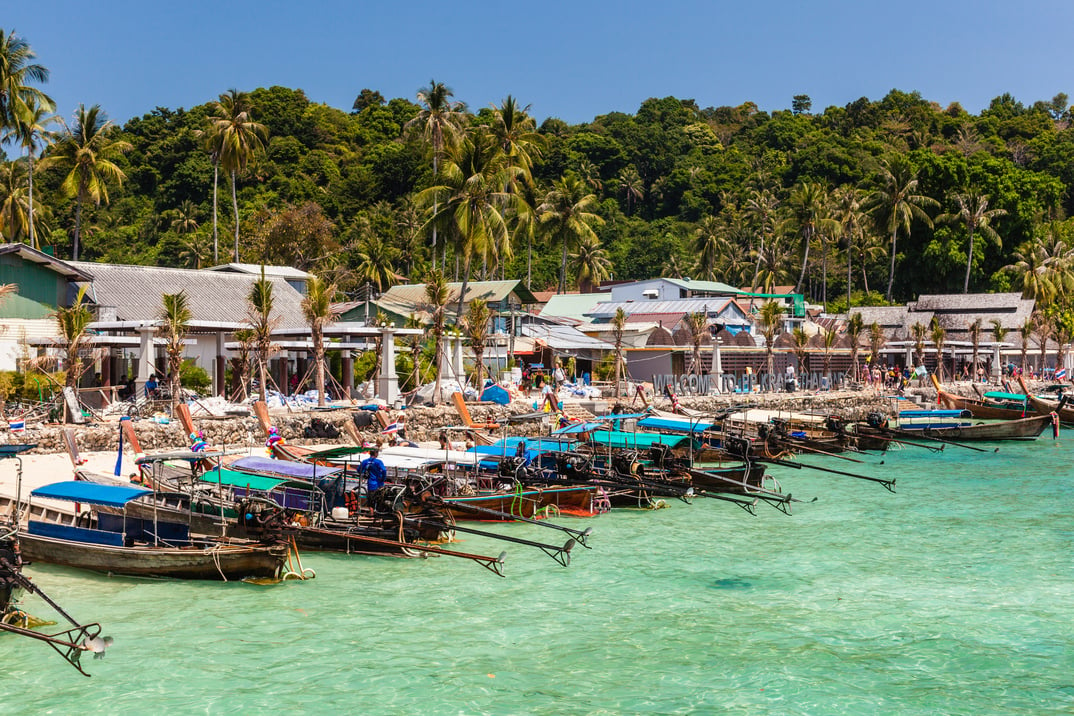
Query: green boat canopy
x=999, y=395
x=234, y=478
x=637, y=441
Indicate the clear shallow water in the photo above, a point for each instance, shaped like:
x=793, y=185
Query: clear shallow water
x=953, y=595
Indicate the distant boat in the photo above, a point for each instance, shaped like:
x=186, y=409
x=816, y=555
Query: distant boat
x=991, y=406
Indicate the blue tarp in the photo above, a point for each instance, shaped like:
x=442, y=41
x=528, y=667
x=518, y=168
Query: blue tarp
x=268, y=466
x=677, y=425
x=496, y=394
x=91, y=493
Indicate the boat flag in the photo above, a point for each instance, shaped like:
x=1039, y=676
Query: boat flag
x=393, y=428
x=17, y=426
x=1060, y=374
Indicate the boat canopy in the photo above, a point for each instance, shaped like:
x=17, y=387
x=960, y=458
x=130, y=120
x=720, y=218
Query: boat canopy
x=91, y=493
x=1000, y=395
x=616, y=417
x=284, y=468
x=578, y=428
x=935, y=414
x=234, y=478
x=676, y=425
x=638, y=441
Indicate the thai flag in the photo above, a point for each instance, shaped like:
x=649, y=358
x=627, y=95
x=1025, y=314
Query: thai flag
x=1061, y=373
x=17, y=426
x=393, y=428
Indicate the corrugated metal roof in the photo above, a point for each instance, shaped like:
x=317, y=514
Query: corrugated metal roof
x=572, y=305
x=565, y=338
x=681, y=306
x=693, y=285
x=64, y=268
x=255, y=270
x=968, y=302
x=136, y=293
x=413, y=294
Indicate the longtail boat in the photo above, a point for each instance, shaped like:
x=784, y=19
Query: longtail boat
x=1005, y=406
x=953, y=426
x=1061, y=407
x=117, y=544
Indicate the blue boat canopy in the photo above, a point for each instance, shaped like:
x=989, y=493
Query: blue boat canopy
x=91, y=493
x=577, y=428
x=676, y=425
x=935, y=414
x=622, y=416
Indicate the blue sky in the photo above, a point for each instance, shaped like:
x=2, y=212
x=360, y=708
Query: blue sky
x=573, y=60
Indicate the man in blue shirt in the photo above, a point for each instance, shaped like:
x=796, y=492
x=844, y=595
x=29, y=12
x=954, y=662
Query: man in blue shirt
x=373, y=468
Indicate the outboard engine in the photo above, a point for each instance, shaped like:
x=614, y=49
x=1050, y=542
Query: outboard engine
x=876, y=420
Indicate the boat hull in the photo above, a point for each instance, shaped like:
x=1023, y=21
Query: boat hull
x=1020, y=429
x=219, y=562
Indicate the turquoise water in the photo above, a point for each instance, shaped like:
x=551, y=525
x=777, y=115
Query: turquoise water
x=953, y=596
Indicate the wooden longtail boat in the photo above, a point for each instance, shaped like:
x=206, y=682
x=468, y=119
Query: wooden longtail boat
x=139, y=547
x=981, y=408
x=1064, y=409
x=1019, y=429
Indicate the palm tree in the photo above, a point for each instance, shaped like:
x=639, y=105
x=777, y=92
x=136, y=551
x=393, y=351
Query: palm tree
x=212, y=138
x=414, y=342
x=374, y=267
x=14, y=210
x=440, y=121
x=590, y=264
x=86, y=152
x=760, y=207
x=184, y=219
x=938, y=336
x=975, y=337
x=471, y=200
x=631, y=185
x=262, y=323
x=517, y=133
x=770, y=317
x=855, y=328
x=709, y=245
x=876, y=341
x=895, y=204
x=973, y=211
x=175, y=318
x=830, y=339
x=1025, y=333
x=475, y=327
x=317, y=308
x=1044, y=266
x=801, y=348
x=567, y=211
x=245, y=339
x=847, y=211
x=17, y=71
x=30, y=129
x=1044, y=331
x=807, y=218
x=697, y=324
x=618, y=327
x=73, y=321
x=919, y=332
x=436, y=298
x=240, y=138
x=999, y=332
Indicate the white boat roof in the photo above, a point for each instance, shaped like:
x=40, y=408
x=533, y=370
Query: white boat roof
x=760, y=415
x=456, y=457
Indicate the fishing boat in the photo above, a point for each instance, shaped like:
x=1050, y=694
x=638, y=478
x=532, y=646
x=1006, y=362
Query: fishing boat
x=120, y=544
x=990, y=406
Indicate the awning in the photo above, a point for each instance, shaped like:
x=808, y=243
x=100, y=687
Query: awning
x=675, y=426
x=234, y=478
x=91, y=493
x=283, y=468
x=637, y=441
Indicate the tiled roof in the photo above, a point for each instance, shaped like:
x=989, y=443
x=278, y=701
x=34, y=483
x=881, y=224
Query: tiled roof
x=136, y=293
x=967, y=302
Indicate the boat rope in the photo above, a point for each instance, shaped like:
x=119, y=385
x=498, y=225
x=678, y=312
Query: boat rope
x=216, y=561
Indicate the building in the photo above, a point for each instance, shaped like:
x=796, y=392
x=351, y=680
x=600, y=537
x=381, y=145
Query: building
x=44, y=284
x=295, y=278
x=667, y=289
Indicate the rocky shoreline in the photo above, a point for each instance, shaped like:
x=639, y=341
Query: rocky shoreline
x=425, y=423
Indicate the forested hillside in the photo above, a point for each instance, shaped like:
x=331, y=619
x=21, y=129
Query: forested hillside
x=897, y=188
